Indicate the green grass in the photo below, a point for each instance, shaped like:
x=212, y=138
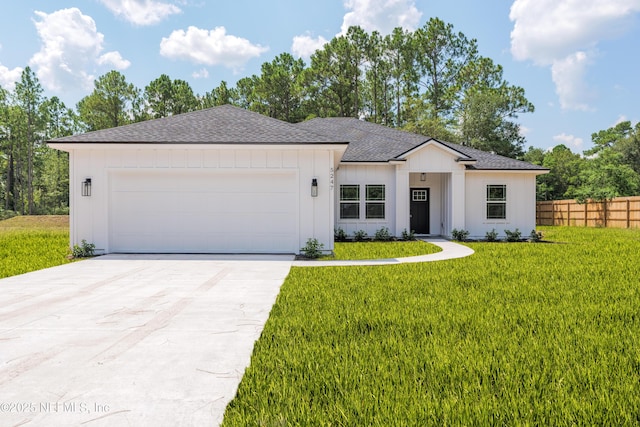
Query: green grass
x=381, y=250
x=517, y=334
x=29, y=243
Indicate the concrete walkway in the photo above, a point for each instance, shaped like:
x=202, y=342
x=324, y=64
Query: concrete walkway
x=450, y=250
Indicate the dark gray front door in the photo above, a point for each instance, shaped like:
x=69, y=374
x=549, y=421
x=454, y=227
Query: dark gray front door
x=419, y=210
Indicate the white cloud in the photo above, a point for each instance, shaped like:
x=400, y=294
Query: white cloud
x=568, y=76
x=8, y=78
x=569, y=140
x=621, y=119
x=203, y=73
x=115, y=59
x=305, y=46
x=210, y=47
x=71, y=47
x=564, y=34
x=141, y=12
x=381, y=15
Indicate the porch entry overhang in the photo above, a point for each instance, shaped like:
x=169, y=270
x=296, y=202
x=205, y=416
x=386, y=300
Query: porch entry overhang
x=430, y=203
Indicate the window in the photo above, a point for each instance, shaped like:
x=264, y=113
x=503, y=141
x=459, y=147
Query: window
x=419, y=195
x=496, y=201
x=349, y=202
x=374, y=206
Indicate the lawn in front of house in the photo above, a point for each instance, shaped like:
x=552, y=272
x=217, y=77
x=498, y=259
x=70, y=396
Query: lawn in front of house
x=381, y=250
x=29, y=243
x=517, y=334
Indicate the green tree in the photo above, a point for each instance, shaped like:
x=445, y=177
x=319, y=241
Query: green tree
x=28, y=97
x=605, y=177
x=564, y=177
x=442, y=55
x=53, y=183
x=220, y=95
x=165, y=97
x=333, y=77
x=278, y=89
x=110, y=104
x=401, y=56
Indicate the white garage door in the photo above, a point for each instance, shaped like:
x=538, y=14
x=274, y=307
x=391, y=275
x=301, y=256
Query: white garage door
x=203, y=212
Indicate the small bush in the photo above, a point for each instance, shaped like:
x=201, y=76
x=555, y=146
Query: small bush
x=459, y=235
x=408, y=235
x=491, y=236
x=535, y=236
x=339, y=235
x=513, y=236
x=85, y=250
x=313, y=248
x=382, y=235
x=360, y=236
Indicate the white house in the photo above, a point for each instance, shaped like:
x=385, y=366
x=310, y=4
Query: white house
x=227, y=180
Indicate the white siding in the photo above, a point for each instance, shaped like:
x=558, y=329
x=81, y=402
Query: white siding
x=521, y=203
x=363, y=175
x=90, y=215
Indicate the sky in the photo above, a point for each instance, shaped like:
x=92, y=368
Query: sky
x=576, y=59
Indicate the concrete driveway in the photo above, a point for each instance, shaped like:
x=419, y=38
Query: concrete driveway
x=140, y=340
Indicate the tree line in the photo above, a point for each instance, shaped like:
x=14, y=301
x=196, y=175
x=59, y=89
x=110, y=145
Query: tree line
x=431, y=81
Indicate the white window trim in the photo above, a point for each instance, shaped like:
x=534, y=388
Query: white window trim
x=487, y=201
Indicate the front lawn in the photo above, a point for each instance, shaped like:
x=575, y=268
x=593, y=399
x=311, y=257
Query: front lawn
x=29, y=243
x=517, y=334
x=381, y=250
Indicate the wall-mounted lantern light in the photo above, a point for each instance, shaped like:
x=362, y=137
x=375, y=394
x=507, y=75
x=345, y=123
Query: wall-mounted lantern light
x=314, y=187
x=423, y=176
x=86, y=187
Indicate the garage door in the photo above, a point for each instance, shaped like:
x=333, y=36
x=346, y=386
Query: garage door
x=203, y=212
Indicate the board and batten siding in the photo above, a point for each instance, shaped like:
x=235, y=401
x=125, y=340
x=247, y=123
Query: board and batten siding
x=90, y=215
x=520, y=204
x=363, y=175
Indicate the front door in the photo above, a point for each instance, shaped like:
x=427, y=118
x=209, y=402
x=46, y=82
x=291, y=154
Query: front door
x=419, y=210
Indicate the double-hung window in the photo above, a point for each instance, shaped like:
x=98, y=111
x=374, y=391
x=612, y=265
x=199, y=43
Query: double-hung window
x=496, y=201
x=374, y=201
x=351, y=199
x=349, y=202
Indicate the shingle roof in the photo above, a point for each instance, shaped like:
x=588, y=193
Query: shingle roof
x=218, y=125
x=370, y=142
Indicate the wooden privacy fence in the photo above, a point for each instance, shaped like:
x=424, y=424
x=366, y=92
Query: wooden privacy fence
x=621, y=212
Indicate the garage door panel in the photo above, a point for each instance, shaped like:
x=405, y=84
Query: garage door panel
x=204, y=212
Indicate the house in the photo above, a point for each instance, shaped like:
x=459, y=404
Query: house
x=227, y=180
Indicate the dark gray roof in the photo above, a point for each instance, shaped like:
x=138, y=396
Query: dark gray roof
x=370, y=142
x=219, y=125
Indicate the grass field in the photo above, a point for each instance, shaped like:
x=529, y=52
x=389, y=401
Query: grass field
x=517, y=334
x=381, y=250
x=29, y=243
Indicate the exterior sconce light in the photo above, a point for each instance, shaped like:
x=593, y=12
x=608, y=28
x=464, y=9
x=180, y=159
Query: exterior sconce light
x=86, y=187
x=423, y=176
x=314, y=187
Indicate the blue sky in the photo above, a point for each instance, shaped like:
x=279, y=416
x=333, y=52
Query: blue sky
x=576, y=59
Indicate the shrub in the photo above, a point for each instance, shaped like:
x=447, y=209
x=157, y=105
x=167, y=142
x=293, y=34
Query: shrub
x=339, y=235
x=382, y=235
x=513, y=236
x=360, y=235
x=408, y=235
x=313, y=248
x=85, y=250
x=491, y=236
x=535, y=236
x=459, y=235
